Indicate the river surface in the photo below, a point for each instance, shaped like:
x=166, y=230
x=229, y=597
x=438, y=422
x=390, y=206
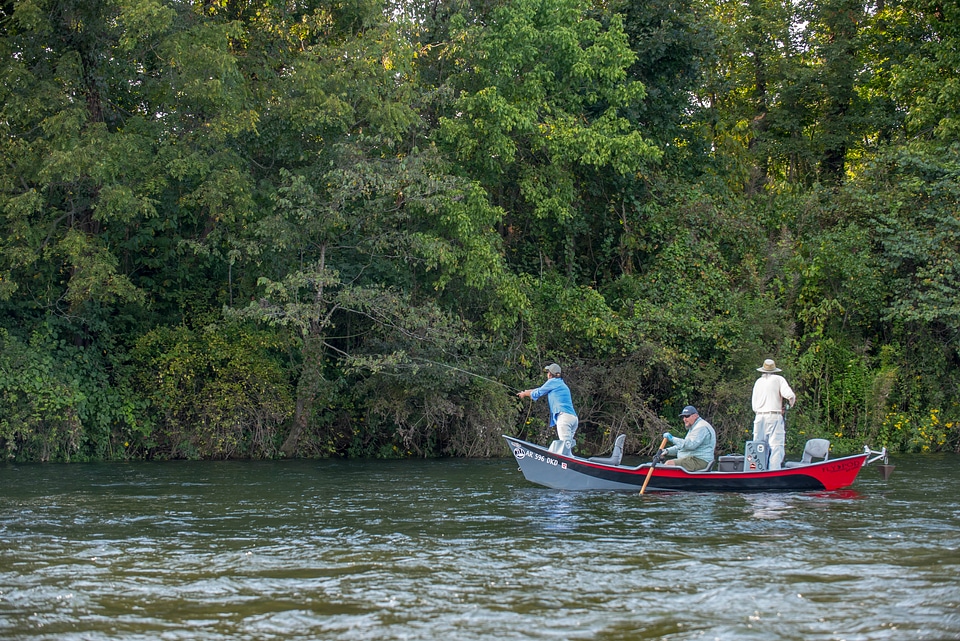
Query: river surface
x=452, y=549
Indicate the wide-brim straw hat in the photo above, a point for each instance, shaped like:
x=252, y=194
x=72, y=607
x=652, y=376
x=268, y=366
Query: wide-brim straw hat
x=769, y=367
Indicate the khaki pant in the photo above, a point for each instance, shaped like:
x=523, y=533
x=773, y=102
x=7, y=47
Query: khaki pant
x=692, y=463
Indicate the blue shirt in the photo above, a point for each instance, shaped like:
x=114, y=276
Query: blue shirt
x=700, y=442
x=558, y=395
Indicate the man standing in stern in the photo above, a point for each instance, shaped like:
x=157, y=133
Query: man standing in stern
x=769, y=393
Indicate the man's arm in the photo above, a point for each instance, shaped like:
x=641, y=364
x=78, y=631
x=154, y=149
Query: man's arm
x=787, y=393
x=544, y=389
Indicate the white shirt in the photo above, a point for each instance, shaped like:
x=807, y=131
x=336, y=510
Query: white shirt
x=769, y=392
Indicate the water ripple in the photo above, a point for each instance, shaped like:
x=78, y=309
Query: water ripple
x=466, y=550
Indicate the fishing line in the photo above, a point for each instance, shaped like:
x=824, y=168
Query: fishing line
x=523, y=424
x=463, y=371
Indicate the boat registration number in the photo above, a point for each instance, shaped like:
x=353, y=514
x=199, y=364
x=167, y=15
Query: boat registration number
x=521, y=453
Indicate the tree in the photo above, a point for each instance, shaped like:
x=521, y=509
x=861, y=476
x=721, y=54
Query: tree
x=115, y=118
x=674, y=42
x=836, y=37
x=364, y=225
x=925, y=82
x=540, y=92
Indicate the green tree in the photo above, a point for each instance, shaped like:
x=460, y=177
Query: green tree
x=925, y=82
x=106, y=109
x=363, y=224
x=674, y=43
x=754, y=98
x=538, y=112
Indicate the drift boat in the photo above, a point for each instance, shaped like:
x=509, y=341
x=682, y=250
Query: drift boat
x=564, y=471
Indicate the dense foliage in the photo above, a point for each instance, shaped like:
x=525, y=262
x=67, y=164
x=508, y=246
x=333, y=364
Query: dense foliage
x=261, y=228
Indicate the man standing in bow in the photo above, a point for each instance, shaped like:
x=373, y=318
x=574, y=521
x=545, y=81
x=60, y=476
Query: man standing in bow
x=769, y=393
x=562, y=413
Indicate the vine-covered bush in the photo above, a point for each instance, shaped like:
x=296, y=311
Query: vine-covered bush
x=219, y=391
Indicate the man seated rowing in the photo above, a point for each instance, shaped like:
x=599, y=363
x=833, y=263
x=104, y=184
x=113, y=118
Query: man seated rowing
x=695, y=451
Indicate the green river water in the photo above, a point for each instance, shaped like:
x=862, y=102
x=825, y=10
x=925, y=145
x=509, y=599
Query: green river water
x=452, y=549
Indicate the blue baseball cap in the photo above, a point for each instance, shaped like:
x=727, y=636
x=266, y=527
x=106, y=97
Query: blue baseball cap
x=689, y=410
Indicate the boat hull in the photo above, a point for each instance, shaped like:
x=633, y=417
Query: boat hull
x=543, y=467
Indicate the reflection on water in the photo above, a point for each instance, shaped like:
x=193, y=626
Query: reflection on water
x=554, y=513
x=467, y=550
x=767, y=506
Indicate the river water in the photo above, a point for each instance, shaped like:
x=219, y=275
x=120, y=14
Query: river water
x=452, y=549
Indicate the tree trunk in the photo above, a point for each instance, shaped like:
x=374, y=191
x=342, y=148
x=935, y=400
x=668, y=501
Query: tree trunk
x=310, y=381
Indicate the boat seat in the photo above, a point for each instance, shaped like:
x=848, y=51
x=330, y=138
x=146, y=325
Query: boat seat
x=613, y=459
x=815, y=448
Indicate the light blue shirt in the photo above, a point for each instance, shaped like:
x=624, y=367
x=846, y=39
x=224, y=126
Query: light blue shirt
x=558, y=395
x=700, y=442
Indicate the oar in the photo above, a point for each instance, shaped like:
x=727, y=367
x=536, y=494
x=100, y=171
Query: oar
x=663, y=444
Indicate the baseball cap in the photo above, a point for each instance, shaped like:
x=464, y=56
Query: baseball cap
x=553, y=368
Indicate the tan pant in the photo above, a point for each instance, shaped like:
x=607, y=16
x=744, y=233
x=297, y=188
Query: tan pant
x=692, y=463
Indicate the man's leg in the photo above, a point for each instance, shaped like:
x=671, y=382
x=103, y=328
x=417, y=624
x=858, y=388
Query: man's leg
x=776, y=439
x=692, y=463
x=566, y=429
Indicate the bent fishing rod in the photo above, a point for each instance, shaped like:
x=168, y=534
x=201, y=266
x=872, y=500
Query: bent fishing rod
x=512, y=390
x=463, y=371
